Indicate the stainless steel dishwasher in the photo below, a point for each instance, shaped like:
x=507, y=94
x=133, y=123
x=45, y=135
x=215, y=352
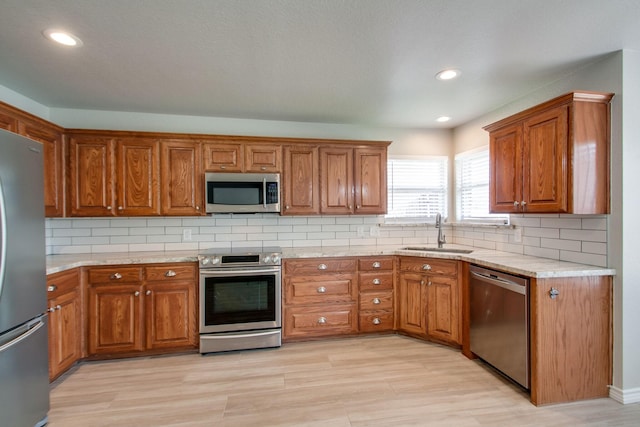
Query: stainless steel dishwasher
x=499, y=323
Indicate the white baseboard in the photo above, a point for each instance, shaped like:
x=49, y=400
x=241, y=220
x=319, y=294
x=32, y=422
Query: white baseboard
x=625, y=396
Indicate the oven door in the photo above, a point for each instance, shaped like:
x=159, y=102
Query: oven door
x=240, y=299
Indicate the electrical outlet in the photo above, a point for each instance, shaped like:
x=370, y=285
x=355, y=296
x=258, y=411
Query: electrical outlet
x=517, y=235
x=186, y=234
x=374, y=231
x=360, y=231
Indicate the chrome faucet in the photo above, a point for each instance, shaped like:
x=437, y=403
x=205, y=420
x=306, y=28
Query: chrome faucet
x=441, y=237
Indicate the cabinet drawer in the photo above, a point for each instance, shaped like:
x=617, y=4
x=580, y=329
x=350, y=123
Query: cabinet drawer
x=376, y=301
x=171, y=272
x=320, y=289
x=429, y=265
x=115, y=274
x=319, y=266
x=375, y=263
x=373, y=321
x=310, y=322
x=375, y=281
x=62, y=282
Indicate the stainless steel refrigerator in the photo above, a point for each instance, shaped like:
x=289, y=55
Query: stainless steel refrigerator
x=24, y=377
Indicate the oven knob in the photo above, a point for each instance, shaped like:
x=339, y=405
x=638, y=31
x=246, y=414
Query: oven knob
x=266, y=259
x=215, y=260
x=275, y=258
x=205, y=261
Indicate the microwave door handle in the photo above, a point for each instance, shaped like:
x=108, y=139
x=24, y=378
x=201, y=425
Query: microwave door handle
x=3, y=237
x=264, y=192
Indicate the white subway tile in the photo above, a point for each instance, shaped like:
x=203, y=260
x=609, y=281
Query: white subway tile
x=307, y=228
x=146, y=247
x=561, y=223
x=598, y=223
x=215, y=230
x=496, y=237
x=248, y=229
x=349, y=220
x=109, y=231
x=335, y=242
x=60, y=241
x=292, y=220
x=180, y=230
x=584, y=258
x=62, y=250
x=292, y=236
x=542, y=252
x=90, y=240
x=181, y=246
x=262, y=221
x=585, y=235
x=70, y=232
x=207, y=246
x=281, y=243
x=508, y=247
x=567, y=245
x=336, y=228
x=484, y=244
x=549, y=233
x=594, y=248
x=231, y=221
x=164, y=222
x=147, y=231
x=90, y=223
x=322, y=220
x=262, y=236
x=129, y=222
x=530, y=241
x=362, y=242
x=58, y=223
x=117, y=240
x=205, y=221
x=203, y=238
x=164, y=238
x=321, y=236
x=230, y=237
x=95, y=249
x=306, y=243
x=525, y=221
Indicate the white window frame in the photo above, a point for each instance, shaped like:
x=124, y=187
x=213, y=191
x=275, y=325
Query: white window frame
x=474, y=155
x=390, y=218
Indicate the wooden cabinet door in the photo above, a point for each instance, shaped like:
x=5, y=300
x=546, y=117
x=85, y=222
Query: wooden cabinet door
x=370, y=180
x=224, y=157
x=170, y=315
x=181, y=178
x=115, y=319
x=51, y=139
x=412, y=304
x=545, y=168
x=138, y=174
x=300, y=185
x=570, y=339
x=91, y=176
x=443, y=309
x=262, y=158
x=336, y=180
x=505, y=179
x=65, y=332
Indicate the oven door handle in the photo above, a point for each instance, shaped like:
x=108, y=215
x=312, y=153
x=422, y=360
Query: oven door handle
x=230, y=271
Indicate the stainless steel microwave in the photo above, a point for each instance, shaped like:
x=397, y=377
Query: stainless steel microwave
x=242, y=192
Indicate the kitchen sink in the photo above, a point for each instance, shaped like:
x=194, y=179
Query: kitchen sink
x=445, y=250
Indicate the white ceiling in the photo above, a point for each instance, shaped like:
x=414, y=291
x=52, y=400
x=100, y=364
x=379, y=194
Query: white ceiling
x=368, y=62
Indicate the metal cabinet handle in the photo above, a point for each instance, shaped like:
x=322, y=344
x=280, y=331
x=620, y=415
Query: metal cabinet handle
x=516, y=204
x=376, y=301
x=322, y=320
x=52, y=288
x=148, y=292
x=322, y=290
x=170, y=273
x=136, y=293
x=197, y=208
x=422, y=282
x=120, y=208
x=322, y=267
x=108, y=208
x=524, y=204
x=426, y=267
x=376, y=321
x=553, y=293
x=429, y=283
x=223, y=167
x=376, y=264
x=116, y=276
x=357, y=206
x=58, y=307
x=376, y=281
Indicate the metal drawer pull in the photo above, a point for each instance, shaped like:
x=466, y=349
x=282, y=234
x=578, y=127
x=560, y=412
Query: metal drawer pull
x=116, y=276
x=426, y=267
x=51, y=288
x=553, y=293
x=376, y=321
x=136, y=293
x=322, y=290
x=58, y=307
x=376, y=301
x=170, y=273
x=322, y=320
x=376, y=265
x=322, y=267
x=148, y=292
x=376, y=281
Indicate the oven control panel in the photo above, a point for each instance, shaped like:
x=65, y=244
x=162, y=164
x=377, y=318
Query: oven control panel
x=240, y=258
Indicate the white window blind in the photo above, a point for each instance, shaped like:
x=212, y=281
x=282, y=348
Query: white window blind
x=417, y=187
x=472, y=187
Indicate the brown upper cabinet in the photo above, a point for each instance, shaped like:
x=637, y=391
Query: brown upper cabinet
x=181, y=178
x=552, y=158
x=299, y=181
x=241, y=156
x=353, y=180
x=113, y=176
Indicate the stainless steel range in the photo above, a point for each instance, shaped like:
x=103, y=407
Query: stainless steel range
x=240, y=299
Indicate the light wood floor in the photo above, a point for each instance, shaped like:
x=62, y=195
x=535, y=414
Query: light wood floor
x=365, y=381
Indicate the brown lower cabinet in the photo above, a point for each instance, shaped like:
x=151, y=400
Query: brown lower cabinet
x=133, y=309
x=428, y=299
x=65, y=321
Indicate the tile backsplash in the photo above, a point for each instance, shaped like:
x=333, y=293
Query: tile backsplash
x=575, y=238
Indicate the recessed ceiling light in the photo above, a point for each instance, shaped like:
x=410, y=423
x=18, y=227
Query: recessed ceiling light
x=443, y=119
x=62, y=37
x=448, y=74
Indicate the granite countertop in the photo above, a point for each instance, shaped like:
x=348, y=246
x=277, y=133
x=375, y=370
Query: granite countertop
x=509, y=262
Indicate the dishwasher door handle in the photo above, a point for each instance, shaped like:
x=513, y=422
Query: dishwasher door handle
x=506, y=284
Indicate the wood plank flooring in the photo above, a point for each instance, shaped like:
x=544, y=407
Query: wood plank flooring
x=388, y=380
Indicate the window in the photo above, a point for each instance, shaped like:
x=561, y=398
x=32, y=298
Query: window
x=417, y=187
x=472, y=188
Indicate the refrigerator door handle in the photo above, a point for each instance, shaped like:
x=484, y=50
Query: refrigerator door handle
x=3, y=237
x=32, y=327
